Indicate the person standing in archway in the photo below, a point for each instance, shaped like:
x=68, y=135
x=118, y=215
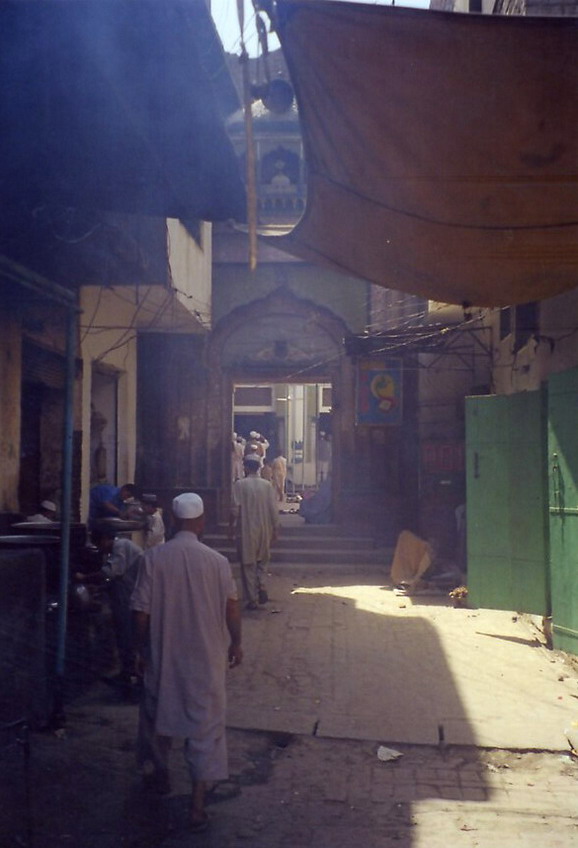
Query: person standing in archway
x=279, y=471
x=255, y=518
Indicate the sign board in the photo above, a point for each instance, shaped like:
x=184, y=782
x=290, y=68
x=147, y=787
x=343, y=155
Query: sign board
x=379, y=391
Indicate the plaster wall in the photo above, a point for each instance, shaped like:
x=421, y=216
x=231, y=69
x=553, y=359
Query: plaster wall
x=108, y=340
x=346, y=297
x=444, y=382
x=554, y=350
x=113, y=316
x=441, y=396
x=190, y=265
x=36, y=329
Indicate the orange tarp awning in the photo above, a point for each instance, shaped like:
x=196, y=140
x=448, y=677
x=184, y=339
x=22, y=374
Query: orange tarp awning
x=442, y=149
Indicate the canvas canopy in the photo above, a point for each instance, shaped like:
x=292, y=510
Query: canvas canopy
x=441, y=149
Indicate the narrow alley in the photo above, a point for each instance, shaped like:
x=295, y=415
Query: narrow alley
x=339, y=254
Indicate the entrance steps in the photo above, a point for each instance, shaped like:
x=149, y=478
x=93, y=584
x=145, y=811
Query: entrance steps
x=304, y=546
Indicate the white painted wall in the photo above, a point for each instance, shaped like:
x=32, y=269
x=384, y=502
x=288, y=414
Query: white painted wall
x=191, y=269
x=555, y=350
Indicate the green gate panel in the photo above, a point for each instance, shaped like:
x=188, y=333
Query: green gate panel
x=563, y=506
x=507, y=515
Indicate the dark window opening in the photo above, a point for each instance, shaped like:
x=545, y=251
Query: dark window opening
x=505, y=322
x=526, y=323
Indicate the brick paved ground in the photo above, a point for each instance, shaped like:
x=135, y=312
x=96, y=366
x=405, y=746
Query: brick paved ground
x=294, y=791
x=345, y=654
x=358, y=667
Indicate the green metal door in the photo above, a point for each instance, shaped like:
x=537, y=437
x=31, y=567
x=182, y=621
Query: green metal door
x=507, y=512
x=563, y=472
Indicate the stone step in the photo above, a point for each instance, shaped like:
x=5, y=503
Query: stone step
x=291, y=530
x=302, y=541
x=300, y=569
x=334, y=556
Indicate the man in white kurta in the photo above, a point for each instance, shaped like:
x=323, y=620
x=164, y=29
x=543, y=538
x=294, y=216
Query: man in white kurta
x=238, y=452
x=185, y=602
x=279, y=471
x=255, y=515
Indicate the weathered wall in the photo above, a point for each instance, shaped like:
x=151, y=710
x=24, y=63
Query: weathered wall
x=190, y=266
x=346, y=297
x=445, y=381
x=108, y=339
x=168, y=319
x=552, y=349
x=10, y=387
x=32, y=341
x=172, y=392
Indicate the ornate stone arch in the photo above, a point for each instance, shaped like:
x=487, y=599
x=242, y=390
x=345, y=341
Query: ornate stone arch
x=277, y=338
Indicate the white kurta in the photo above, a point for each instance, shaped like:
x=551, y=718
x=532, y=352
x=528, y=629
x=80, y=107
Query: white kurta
x=155, y=530
x=237, y=456
x=257, y=517
x=279, y=470
x=183, y=586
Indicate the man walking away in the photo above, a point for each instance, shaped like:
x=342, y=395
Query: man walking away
x=255, y=515
x=187, y=623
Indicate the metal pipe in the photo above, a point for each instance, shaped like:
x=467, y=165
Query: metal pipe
x=16, y=273
x=65, y=507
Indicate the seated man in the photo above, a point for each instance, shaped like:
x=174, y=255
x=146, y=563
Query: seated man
x=45, y=515
x=316, y=508
x=107, y=501
x=411, y=560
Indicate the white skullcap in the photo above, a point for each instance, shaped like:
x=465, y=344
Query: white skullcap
x=188, y=505
x=253, y=434
x=48, y=505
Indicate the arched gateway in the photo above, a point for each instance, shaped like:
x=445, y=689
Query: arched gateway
x=185, y=407
x=280, y=338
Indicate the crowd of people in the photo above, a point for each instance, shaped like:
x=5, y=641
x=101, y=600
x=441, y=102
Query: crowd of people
x=274, y=470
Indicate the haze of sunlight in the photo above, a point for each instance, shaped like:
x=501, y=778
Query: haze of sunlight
x=362, y=596
x=224, y=14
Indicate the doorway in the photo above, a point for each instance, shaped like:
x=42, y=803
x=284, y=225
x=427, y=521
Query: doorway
x=295, y=418
x=103, y=427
